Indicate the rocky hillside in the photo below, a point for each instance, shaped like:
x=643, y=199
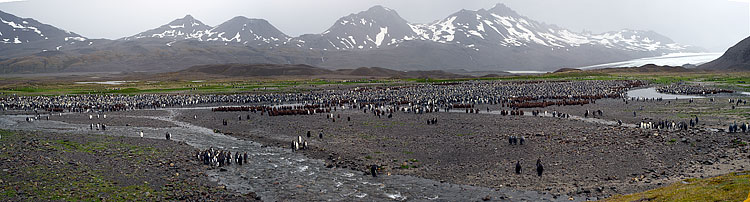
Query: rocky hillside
x=736, y=58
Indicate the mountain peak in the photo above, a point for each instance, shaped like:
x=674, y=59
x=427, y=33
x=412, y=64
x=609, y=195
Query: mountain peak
x=378, y=11
x=188, y=18
x=377, y=8
x=181, y=28
x=248, y=20
x=247, y=31
x=501, y=9
x=239, y=18
x=376, y=27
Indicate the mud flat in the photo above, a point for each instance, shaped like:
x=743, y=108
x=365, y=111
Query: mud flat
x=581, y=158
x=461, y=157
x=278, y=174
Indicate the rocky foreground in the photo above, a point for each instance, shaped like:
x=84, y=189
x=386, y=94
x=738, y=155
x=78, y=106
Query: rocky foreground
x=40, y=166
x=581, y=158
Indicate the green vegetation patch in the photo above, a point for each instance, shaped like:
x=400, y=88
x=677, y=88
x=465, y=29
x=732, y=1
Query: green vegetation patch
x=61, y=175
x=730, y=187
x=21, y=87
x=51, y=88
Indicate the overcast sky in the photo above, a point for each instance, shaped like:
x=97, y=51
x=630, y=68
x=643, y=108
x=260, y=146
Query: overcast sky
x=712, y=24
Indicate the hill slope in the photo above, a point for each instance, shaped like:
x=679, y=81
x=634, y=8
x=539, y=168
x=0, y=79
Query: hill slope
x=736, y=58
x=301, y=70
x=23, y=36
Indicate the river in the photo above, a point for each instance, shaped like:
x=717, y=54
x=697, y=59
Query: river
x=650, y=93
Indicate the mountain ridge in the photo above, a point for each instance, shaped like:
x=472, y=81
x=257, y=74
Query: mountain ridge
x=19, y=36
x=381, y=27
x=486, y=39
x=276, y=70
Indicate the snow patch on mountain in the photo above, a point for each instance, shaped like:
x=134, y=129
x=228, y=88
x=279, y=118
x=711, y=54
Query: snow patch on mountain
x=237, y=30
x=31, y=34
x=379, y=38
x=380, y=27
x=75, y=38
x=503, y=26
x=179, y=29
x=18, y=26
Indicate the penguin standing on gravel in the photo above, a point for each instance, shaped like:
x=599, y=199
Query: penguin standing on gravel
x=168, y=136
x=141, y=133
x=518, y=167
x=539, y=167
x=237, y=158
x=374, y=170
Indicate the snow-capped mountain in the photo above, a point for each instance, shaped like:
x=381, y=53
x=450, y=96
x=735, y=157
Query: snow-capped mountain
x=239, y=30
x=247, y=31
x=374, y=28
x=179, y=29
x=502, y=26
x=498, y=26
x=380, y=27
x=29, y=34
x=492, y=39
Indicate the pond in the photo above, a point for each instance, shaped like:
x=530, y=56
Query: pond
x=652, y=93
x=105, y=82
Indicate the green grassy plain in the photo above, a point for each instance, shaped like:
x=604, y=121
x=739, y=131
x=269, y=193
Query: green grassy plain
x=737, y=81
x=731, y=187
